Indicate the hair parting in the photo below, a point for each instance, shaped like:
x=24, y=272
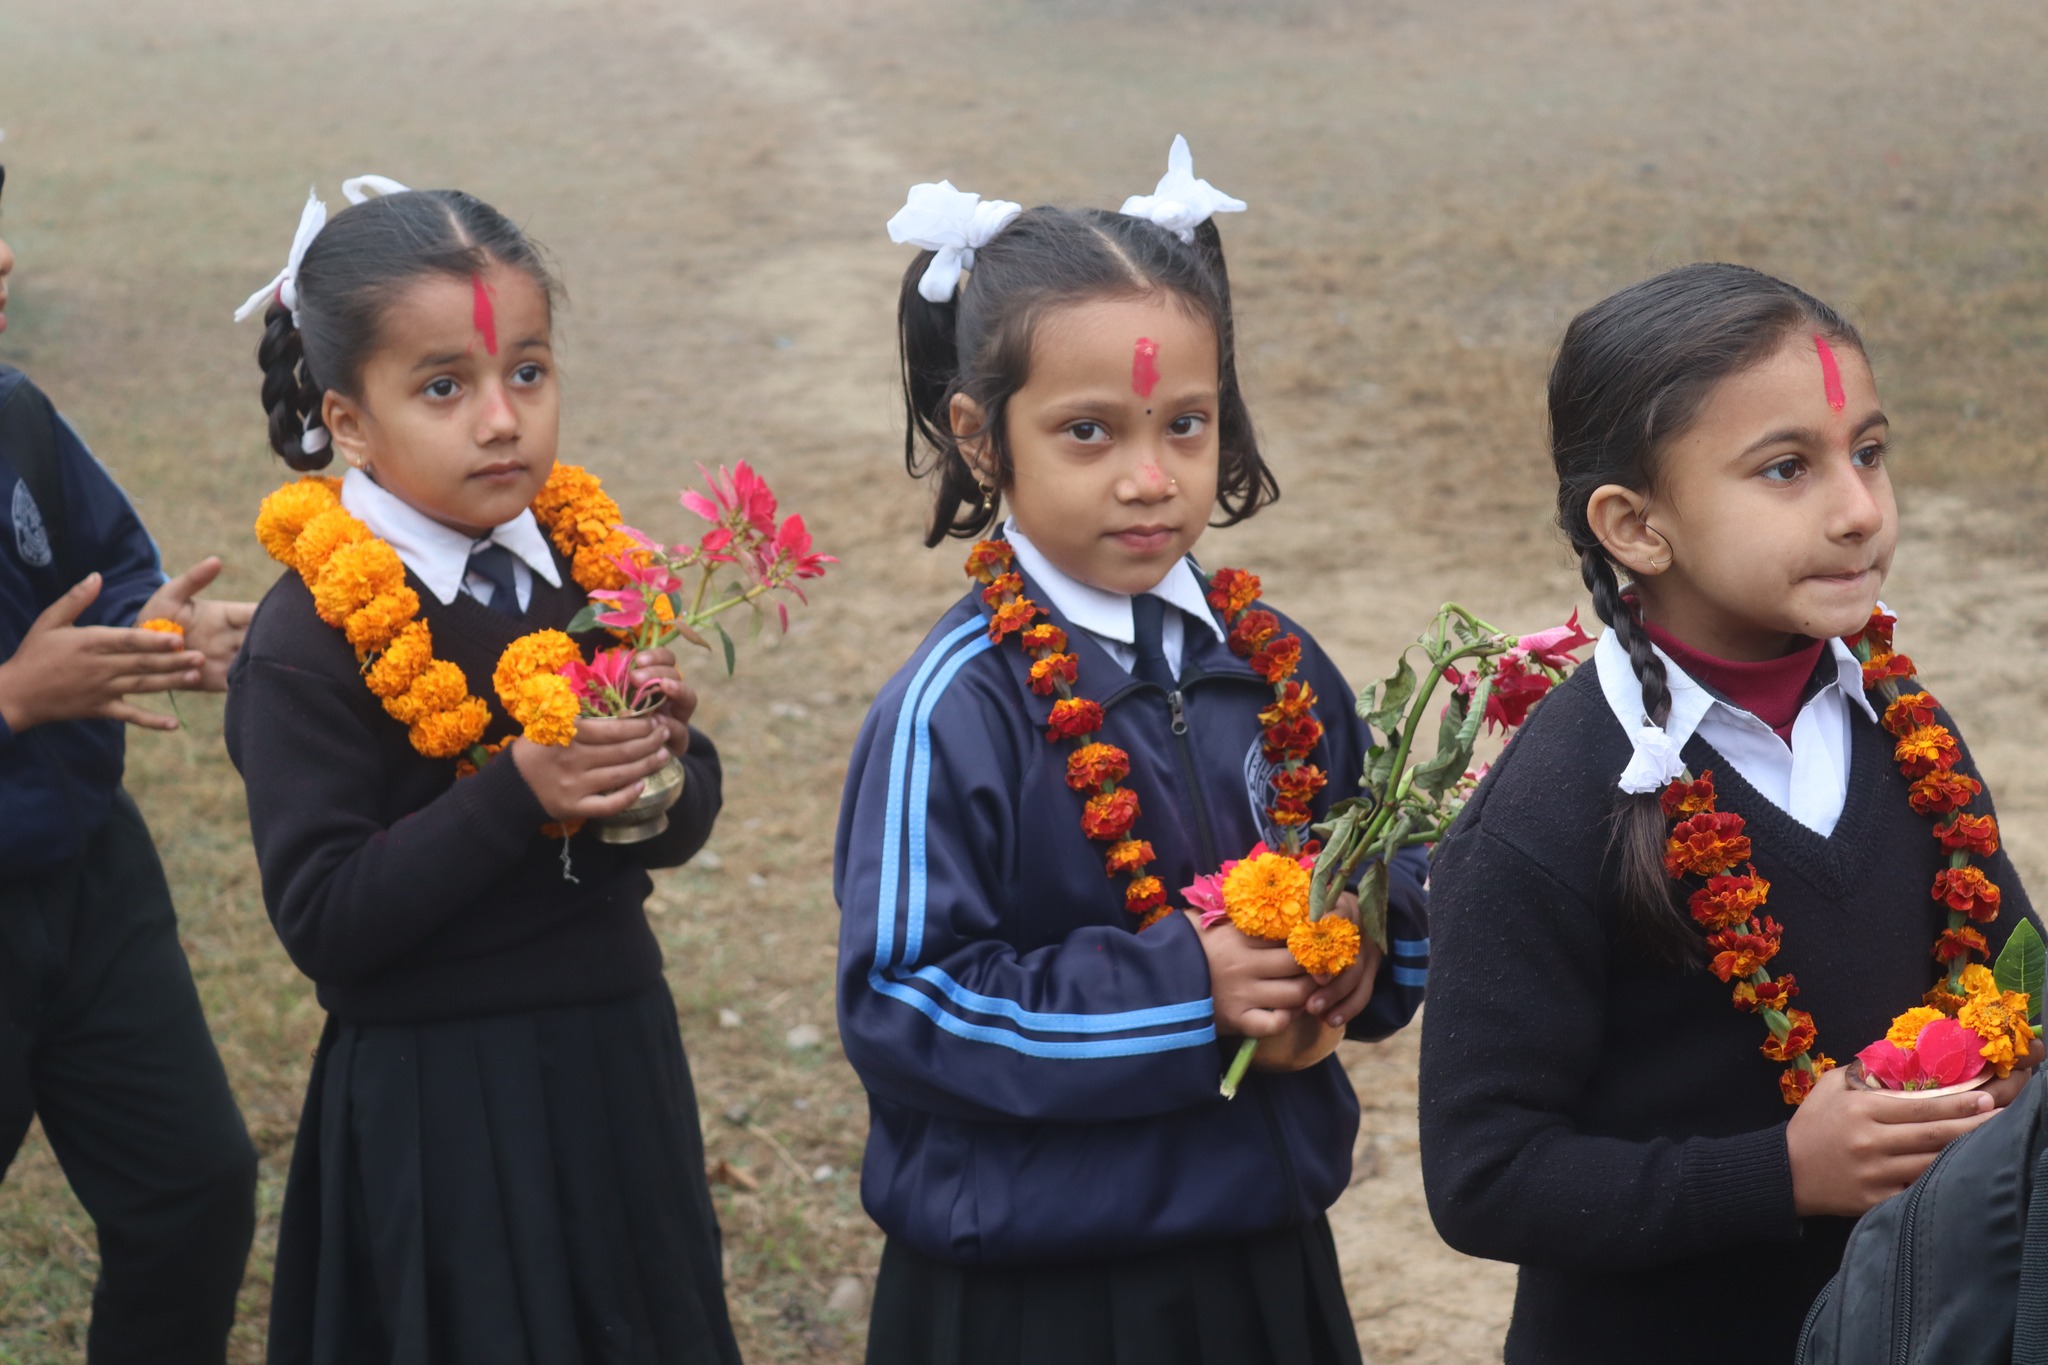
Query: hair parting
x=1633, y=373
x=978, y=343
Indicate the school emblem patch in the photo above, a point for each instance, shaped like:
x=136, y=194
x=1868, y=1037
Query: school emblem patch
x=1258, y=789
x=31, y=541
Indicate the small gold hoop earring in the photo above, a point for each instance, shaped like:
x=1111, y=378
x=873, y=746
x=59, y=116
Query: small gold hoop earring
x=988, y=494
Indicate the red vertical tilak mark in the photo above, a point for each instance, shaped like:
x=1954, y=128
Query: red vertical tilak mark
x=1830, y=374
x=485, y=317
x=1144, y=367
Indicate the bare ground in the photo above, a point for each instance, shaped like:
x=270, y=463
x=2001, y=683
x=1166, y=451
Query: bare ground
x=1435, y=190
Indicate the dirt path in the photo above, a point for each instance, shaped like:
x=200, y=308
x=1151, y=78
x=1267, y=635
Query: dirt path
x=1434, y=191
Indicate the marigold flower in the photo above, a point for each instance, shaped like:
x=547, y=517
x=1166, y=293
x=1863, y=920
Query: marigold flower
x=1300, y=784
x=1776, y=993
x=1797, y=1040
x=1294, y=700
x=1231, y=591
x=1797, y=1082
x=1942, y=791
x=1884, y=666
x=1045, y=638
x=1876, y=632
x=1048, y=673
x=1092, y=765
x=1726, y=902
x=1909, y=713
x=1706, y=845
x=1012, y=617
x=161, y=626
x=1905, y=1030
x=2001, y=1021
x=1977, y=979
x=1276, y=660
x=1940, y=997
x=444, y=734
x=1001, y=586
x=1128, y=855
x=545, y=707
x=1293, y=740
x=377, y=623
x=1976, y=834
x=1266, y=895
x=1109, y=815
x=1688, y=798
x=1927, y=749
x=322, y=536
x=409, y=652
x=1289, y=813
x=440, y=686
x=1153, y=916
x=352, y=576
x=1324, y=947
x=1073, y=717
x=1959, y=943
x=1144, y=894
x=1743, y=955
x=285, y=513
x=596, y=569
x=1252, y=630
x=1967, y=891
x=988, y=558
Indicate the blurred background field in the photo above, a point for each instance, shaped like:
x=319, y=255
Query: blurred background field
x=1435, y=190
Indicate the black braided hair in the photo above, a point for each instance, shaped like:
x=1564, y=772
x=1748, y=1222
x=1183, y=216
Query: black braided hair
x=362, y=260
x=1632, y=374
x=978, y=343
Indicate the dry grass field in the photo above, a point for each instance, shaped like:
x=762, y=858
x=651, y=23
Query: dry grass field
x=1435, y=190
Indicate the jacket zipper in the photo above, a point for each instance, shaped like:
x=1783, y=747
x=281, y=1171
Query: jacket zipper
x=1909, y=1232
x=1189, y=780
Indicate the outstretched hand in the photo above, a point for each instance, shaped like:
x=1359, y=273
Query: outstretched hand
x=65, y=671
x=215, y=629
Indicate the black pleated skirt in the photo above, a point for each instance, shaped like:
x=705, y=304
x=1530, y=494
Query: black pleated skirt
x=522, y=1189
x=1273, y=1299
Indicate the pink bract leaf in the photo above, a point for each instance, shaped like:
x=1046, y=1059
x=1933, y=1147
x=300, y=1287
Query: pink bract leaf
x=1888, y=1063
x=1948, y=1053
x=1554, y=648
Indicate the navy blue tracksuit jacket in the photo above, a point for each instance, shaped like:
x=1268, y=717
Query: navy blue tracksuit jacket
x=1042, y=1080
x=57, y=781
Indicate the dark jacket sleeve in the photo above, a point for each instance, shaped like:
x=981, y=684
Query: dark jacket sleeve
x=938, y=1011
x=107, y=535
x=349, y=895
x=1515, y=1029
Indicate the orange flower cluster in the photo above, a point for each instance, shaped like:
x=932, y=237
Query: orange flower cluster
x=162, y=626
x=532, y=689
x=1291, y=728
x=1708, y=843
x=582, y=520
x=1096, y=770
x=1973, y=999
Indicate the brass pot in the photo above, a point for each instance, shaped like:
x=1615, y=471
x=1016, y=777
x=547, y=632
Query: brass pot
x=648, y=815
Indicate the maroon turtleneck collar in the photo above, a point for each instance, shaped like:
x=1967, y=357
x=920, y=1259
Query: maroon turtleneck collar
x=1770, y=690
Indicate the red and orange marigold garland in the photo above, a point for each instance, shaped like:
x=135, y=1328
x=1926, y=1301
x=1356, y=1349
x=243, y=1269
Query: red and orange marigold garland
x=1707, y=844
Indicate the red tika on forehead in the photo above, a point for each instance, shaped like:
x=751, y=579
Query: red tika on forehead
x=484, y=316
x=1830, y=374
x=1144, y=367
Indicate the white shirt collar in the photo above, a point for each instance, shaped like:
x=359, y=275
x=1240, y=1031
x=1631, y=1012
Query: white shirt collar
x=1690, y=702
x=1104, y=613
x=439, y=555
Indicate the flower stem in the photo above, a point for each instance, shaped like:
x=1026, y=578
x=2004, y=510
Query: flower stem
x=1239, y=1064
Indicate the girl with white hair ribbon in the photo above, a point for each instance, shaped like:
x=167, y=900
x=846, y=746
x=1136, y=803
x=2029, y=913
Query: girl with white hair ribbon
x=1049, y=1156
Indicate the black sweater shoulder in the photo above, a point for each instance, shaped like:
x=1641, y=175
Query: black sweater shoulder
x=403, y=892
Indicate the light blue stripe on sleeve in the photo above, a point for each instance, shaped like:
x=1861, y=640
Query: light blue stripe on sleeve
x=1411, y=976
x=1411, y=947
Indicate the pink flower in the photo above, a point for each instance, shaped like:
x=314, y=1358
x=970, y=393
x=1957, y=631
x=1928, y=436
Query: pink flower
x=646, y=569
x=741, y=496
x=1554, y=648
x=1889, y=1063
x=1945, y=1053
x=601, y=685
x=629, y=608
x=788, y=557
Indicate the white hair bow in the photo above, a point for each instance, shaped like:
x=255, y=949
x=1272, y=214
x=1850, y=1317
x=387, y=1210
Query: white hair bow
x=953, y=223
x=285, y=287
x=1654, y=765
x=1180, y=203
x=362, y=189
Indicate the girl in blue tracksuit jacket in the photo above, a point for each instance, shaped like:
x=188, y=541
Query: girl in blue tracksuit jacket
x=1057, y=1174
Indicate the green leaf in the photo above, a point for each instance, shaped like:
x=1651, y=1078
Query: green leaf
x=2022, y=963
x=731, y=652
x=583, y=621
x=1455, y=736
x=1372, y=905
x=754, y=625
x=1393, y=694
x=1379, y=766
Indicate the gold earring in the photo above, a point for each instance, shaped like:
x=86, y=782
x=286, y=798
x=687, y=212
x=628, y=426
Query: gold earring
x=987, y=494
x=1173, y=485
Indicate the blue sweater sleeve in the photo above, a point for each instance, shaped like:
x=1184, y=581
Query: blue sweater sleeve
x=107, y=535
x=939, y=1010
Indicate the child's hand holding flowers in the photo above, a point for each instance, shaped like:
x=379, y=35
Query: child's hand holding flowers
x=214, y=629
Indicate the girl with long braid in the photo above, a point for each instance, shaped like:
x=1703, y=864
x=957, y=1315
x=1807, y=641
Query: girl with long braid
x=1592, y=1107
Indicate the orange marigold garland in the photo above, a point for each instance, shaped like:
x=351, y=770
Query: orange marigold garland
x=1708, y=844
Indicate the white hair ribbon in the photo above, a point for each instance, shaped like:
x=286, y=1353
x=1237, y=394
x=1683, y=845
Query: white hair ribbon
x=1180, y=203
x=363, y=188
x=953, y=223
x=1655, y=763
x=285, y=287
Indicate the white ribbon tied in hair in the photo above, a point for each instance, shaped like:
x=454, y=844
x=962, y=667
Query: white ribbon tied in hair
x=953, y=223
x=1654, y=765
x=362, y=189
x=1180, y=203
x=285, y=287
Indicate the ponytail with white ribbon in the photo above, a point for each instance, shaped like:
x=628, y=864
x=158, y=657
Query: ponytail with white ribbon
x=1180, y=203
x=285, y=286
x=362, y=189
x=1654, y=765
x=952, y=223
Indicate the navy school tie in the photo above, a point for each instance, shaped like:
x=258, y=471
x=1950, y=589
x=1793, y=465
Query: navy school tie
x=493, y=563
x=1148, y=616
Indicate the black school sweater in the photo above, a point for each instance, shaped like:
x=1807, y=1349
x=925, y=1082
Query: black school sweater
x=1610, y=1125
x=407, y=895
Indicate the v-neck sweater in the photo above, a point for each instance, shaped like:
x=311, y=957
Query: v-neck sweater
x=1609, y=1124
x=406, y=894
